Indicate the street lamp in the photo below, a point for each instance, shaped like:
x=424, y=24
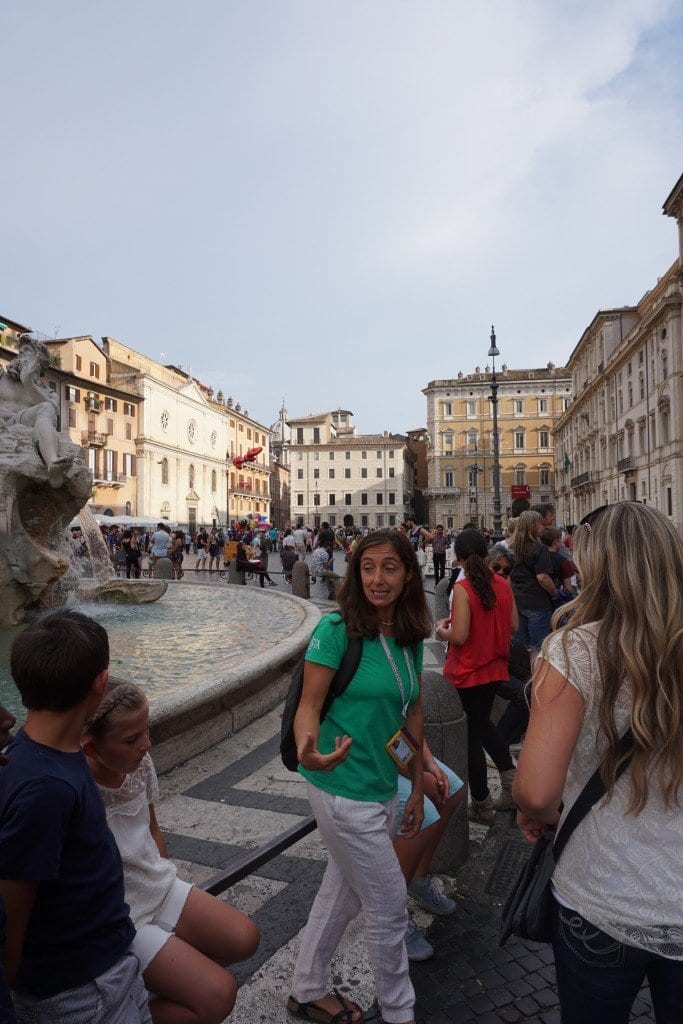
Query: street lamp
x=497, y=521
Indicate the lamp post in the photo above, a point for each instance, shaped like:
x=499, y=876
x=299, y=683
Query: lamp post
x=497, y=521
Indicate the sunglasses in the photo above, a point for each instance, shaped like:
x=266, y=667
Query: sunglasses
x=591, y=517
x=501, y=570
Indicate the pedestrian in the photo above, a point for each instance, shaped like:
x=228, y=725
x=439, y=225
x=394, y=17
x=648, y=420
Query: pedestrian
x=350, y=762
x=616, y=664
x=439, y=548
x=532, y=582
x=483, y=617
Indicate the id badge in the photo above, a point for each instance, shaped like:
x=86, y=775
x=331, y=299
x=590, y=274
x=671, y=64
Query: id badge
x=402, y=748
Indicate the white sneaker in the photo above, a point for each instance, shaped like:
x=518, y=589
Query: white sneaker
x=417, y=947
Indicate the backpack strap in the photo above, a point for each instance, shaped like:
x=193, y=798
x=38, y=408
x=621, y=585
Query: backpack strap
x=346, y=671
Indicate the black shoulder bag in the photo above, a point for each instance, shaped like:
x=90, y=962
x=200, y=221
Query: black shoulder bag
x=527, y=909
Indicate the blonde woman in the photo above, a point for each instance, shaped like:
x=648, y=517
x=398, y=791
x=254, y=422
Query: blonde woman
x=617, y=663
x=532, y=581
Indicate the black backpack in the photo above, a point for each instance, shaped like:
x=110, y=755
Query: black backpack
x=340, y=681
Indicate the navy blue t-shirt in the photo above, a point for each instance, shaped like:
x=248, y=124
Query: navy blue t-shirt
x=53, y=830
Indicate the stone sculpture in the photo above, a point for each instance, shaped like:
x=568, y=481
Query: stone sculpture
x=43, y=485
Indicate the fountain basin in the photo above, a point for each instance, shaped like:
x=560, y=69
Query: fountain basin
x=211, y=659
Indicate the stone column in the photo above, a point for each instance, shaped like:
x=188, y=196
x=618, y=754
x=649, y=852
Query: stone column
x=446, y=734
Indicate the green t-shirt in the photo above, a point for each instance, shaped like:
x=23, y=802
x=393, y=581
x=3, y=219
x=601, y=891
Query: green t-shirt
x=369, y=711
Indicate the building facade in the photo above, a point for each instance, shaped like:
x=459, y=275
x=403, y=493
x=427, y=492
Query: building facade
x=186, y=442
x=621, y=437
x=345, y=478
x=460, y=442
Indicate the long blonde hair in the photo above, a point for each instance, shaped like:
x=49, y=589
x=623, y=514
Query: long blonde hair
x=526, y=534
x=630, y=559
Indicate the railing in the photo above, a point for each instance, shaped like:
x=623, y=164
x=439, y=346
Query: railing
x=582, y=478
x=250, y=862
x=94, y=437
x=624, y=465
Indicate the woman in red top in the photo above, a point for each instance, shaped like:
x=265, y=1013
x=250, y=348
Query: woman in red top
x=483, y=617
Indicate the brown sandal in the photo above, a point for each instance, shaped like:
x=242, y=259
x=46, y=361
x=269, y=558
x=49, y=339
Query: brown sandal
x=311, y=1011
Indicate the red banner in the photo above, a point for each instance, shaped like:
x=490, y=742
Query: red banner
x=520, y=491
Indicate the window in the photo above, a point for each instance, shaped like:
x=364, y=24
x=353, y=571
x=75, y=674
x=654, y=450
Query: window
x=380, y=499
x=363, y=455
x=391, y=471
x=333, y=499
x=299, y=456
x=248, y=433
x=448, y=443
x=471, y=410
x=543, y=439
x=621, y=402
x=379, y=520
x=630, y=396
x=316, y=498
x=73, y=394
x=447, y=409
x=347, y=455
x=664, y=420
x=542, y=405
x=299, y=474
x=300, y=440
x=316, y=435
x=628, y=369
x=665, y=366
x=641, y=386
x=392, y=520
x=519, y=439
x=544, y=477
x=300, y=499
x=316, y=474
x=110, y=404
x=392, y=497
x=391, y=454
x=379, y=474
x=363, y=520
x=472, y=475
x=448, y=478
x=331, y=456
x=330, y=474
x=79, y=362
x=128, y=464
x=129, y=432
x=364, y=499
x=190, y=477
x=110, y=463
x=213, y=481
x=520, y=475
x=94, y=370
x=72, y=416
x=347, y=499
x=519, y=406
x=641, y=437
x=364, y=473
x=347, y=473
x=669, y=502
x=379, y=455
x=333, y=520
x=110, y=427
x=566, y=402
x=472, y=440
x=316, y=456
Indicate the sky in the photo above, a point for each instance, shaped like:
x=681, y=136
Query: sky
x=332, y=202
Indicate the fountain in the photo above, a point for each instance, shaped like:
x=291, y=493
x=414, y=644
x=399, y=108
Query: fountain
x=43, y=485
x=212, y=658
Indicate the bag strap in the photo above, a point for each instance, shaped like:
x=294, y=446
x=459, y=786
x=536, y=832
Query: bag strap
x=589, y=795
x=347, y=667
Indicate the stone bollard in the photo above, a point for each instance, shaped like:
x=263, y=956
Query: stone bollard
x=446, y=734
x=235, y=575
x=441, y=608
x=163, y=570
x=301, y=579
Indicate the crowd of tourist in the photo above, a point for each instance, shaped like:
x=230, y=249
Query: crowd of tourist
x=583, y=632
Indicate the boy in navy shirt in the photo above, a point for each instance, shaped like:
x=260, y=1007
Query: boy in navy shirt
x=68, y=929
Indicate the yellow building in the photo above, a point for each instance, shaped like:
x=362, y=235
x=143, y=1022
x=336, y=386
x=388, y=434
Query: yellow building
x=460, y=442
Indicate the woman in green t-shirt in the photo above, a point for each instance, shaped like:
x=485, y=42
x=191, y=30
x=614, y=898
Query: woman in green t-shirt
x=350, y=761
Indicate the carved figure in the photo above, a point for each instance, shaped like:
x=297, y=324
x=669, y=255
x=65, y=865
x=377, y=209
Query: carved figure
x=26, y=399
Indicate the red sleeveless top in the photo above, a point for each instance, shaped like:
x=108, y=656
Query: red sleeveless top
x=483, y=658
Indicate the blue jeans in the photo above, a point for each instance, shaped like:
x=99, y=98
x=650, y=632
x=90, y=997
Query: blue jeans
x=598, y=977
x=534, y=627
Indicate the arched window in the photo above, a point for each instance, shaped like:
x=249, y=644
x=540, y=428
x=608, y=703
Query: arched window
x=164, y=471
x=190, y=477
x=213, y=481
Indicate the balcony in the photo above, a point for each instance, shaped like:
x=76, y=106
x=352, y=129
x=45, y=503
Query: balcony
x=93, y=439
x=115, y=480
x=442, y=492
x=625, y=465
x=591, y=476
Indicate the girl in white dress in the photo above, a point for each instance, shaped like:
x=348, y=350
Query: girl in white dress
x=183, y=934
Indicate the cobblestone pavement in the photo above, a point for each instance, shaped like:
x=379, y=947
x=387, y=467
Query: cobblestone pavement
x=237, y=796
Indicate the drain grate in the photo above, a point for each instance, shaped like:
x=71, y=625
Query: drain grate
x=514, y=853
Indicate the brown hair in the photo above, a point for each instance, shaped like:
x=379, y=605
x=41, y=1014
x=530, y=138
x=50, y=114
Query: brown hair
x=549, y=534
x=119, y=695
x=412, y=618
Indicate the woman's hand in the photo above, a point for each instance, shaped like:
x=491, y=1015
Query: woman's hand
x=442, y=787
x=311, y=759
x=414, y=814
x=532, y=828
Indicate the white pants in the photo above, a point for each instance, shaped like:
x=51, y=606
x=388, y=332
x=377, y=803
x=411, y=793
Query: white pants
x=363, y=871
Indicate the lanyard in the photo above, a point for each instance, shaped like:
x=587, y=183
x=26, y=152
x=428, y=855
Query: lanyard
x=397, y=675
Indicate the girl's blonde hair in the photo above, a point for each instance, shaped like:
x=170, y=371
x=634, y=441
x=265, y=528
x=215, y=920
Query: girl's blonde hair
x=119, y=695
x=511, y=526
x=525, y=535
x=630, y=560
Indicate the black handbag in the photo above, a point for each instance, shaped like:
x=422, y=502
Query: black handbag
x=526, y=913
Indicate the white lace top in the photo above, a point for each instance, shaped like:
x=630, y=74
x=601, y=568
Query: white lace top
x=147, y=876
x=623, y=873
